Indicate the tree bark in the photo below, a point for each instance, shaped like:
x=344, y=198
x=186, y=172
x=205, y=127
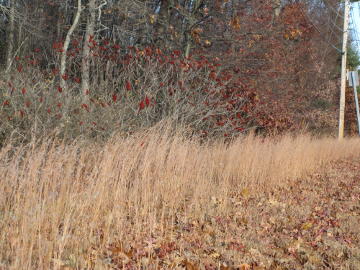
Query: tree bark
x=277, y=7
x=10, y=41
x=191, y=21
x=89, y=34
x=63, y=84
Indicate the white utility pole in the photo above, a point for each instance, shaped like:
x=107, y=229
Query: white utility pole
x=355, y=83
x=343, y=70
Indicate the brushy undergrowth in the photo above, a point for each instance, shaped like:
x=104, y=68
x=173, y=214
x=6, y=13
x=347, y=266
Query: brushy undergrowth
x=139, y=89
x=62, y=204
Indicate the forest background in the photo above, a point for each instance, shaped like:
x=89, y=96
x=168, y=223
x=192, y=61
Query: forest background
x=219, y=67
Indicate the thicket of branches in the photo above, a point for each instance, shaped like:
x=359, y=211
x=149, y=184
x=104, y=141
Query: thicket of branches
x=221, y=67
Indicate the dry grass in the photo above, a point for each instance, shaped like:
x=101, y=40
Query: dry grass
x=61, y=205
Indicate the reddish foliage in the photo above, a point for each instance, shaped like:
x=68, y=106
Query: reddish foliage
x=65, y=77
x=77, y=80
x=128, y=85
x=147, y=101
x=58, y=45
x=141, y=105
x=85, y=106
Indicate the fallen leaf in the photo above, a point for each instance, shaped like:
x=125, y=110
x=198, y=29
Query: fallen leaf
x=190, y=266
x=245, y=193
x=244, y=266
x=307, y=226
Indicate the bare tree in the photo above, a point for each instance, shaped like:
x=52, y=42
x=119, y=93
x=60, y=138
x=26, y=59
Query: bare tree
x=10, y=41
x=89, y=34
x=66, y=46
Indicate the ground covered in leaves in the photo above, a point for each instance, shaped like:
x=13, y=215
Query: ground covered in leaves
x=313, y=223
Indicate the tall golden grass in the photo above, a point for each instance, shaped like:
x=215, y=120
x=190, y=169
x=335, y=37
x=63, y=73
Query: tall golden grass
x=58, y=201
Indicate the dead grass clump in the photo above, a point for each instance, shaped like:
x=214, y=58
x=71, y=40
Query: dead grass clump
x=60, y=204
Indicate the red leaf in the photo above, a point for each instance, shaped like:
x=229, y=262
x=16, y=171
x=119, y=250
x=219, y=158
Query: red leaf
x=19, y=68
x=128, y=85
x=75, y=43
x=65, y=77
x=116, y=47
x=23, y=91
x=147, y=101
x=148, y=51
x=239, y=129
x=57, y=45
x=114, y=97
x=141, y=105
x=177, y=52
x=85, y=106
x=212, y=75
x=77, y=80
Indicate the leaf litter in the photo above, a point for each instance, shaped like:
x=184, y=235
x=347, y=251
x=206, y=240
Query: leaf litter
x=313, y=223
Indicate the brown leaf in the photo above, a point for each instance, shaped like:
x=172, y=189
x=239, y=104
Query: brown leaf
x=244, y=266
x=190, y=266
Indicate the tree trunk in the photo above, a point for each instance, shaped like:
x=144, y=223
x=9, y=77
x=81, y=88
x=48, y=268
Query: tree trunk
x=85, y=64
x=63, y=84
x=277, y=7
x=195, y=4
x=10, y=40
x=20, y=37
x=59, y=23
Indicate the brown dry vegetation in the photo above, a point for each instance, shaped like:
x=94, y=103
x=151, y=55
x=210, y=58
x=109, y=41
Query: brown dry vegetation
x=158, y=200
